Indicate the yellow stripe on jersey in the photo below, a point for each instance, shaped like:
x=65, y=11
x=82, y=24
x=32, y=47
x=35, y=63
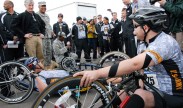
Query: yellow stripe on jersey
x=156, y=55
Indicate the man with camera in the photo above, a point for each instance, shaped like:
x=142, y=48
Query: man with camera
x=174, y=9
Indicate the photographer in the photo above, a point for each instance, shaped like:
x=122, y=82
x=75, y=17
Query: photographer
x=174, y=9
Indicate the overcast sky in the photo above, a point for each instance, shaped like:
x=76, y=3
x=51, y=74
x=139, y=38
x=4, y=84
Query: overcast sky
x=102, y=5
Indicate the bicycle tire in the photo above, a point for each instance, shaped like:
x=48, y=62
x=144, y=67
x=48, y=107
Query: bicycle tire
x=120, y=56
x=13, y=70
x=44, y=98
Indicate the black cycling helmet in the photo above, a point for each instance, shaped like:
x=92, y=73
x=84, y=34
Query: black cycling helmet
x=150, y=15
x=31, y=63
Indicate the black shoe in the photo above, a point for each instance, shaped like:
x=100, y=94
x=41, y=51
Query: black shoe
x=94, y=57
x=101, y=54
x=78, y=61
x=88, y=60
x=9, y=94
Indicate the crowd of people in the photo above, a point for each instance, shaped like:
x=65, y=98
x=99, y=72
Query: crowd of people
x=34, y=34
x=156, y=29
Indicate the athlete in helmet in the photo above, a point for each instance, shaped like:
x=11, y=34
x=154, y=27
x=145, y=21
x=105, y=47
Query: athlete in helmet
x=42, y=75
x=157, y=50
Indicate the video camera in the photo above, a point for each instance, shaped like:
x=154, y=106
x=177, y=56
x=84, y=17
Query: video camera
x=153, y=1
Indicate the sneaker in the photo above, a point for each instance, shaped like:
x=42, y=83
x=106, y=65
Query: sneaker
x=9, y=94
x=20, y=77
x=88, y=60
x=107, y=60
x=113, y=60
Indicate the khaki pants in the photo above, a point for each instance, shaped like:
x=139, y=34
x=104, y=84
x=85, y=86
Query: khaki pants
x=34, y=47
x=179, y=38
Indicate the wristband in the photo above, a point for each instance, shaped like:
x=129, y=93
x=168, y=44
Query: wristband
x=113, y=70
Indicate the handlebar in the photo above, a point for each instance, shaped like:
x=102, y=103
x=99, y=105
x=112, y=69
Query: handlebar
x=135, y=77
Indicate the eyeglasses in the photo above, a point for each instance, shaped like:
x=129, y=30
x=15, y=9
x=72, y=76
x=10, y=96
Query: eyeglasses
x=135, y=26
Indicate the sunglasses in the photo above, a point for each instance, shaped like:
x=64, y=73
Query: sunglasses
x=31, y=66
x=135, y=26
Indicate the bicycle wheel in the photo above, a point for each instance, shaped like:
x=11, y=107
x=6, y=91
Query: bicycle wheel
x=112, y=58
x=12, y=77
x=94, y=97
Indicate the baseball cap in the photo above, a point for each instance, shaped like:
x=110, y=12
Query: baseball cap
x=62, y=34
x=42, y=3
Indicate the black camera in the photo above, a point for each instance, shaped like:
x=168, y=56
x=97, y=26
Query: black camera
x=153, y=1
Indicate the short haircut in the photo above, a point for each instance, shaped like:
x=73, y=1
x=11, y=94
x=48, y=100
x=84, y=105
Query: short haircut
x=11, y=3
x=26, y=2
x=114, y=13
x=94, y=17
x=90, y=20
x=123, y=9
x=99, y=15
x=60, y=15
x=106, y=18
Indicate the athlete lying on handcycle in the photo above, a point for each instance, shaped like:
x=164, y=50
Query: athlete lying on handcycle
x=157, y=50
x=45, y=77
x=42, y=75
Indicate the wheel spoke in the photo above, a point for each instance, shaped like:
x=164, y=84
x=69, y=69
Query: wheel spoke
x=91, y=97
x=85, y=98
x=13, y=91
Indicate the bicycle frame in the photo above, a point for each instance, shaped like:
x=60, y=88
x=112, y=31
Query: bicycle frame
x=136, y=77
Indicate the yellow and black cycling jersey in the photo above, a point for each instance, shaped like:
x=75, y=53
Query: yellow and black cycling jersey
x=168, y=59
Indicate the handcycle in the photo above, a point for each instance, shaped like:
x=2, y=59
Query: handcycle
x=73, y=83
x=98, y=96
x=17, y=77
x=23, y=84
